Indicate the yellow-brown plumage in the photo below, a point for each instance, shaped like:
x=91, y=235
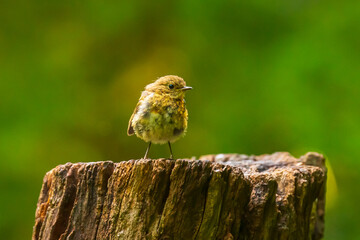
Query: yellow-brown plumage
x=160, y=115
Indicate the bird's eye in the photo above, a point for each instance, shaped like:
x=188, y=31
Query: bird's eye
x=171, y=86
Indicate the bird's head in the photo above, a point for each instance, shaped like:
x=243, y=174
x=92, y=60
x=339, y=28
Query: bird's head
x=172, y=85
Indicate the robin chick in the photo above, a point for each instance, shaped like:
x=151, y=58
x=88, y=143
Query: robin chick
x=160, y=115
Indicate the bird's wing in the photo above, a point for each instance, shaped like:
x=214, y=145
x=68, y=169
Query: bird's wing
x=130, y=130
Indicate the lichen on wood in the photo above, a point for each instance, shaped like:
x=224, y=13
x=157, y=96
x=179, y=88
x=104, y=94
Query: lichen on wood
x=224, y=196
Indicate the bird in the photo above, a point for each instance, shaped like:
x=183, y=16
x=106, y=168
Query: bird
x=160, y=115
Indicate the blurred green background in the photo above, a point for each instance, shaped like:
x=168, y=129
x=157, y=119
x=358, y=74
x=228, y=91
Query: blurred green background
x=267, y=76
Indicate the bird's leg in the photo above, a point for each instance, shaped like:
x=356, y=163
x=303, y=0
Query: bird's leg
x=147, y=151
x=171, y=154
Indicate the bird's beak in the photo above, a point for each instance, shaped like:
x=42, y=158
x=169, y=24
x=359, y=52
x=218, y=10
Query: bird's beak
x=186, y=88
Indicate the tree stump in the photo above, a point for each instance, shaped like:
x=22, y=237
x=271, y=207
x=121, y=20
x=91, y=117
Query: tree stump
x=224, y=196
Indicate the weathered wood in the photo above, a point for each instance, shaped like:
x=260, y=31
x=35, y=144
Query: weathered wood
x=224, y=196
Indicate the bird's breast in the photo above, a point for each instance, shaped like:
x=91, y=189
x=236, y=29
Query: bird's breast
x=160, y=119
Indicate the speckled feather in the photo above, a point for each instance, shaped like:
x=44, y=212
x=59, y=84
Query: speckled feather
x=160, y=115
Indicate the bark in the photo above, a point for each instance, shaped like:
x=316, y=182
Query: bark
x=224, y=196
